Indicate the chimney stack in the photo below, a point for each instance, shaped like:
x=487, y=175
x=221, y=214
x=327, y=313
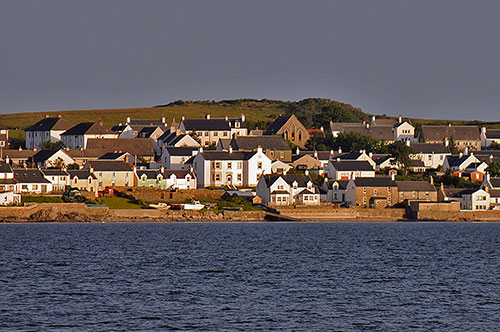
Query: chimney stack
x=373, y=120
x=306, y=172
x=393, y=177
x=207, y=116
x=340, y=149
x=162, y=169
x=242, y=118
x=200, y=150
x=163, y=120
x=315, y=154
x=408, y=143
x=466, y=150
x=230, y=149
x=431, y=180
x=297, y=151
x=446, y=142
x=400, y=119
x=128, y=119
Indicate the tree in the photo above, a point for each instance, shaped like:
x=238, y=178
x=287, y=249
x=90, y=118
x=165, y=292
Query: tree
x=494, y=168
x=194, y=135
x=453, y=146
x=494, y=146
x=400, y=153
x=49, y=145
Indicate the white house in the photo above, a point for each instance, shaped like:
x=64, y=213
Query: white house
x=344, y=170
x=433, y=155
x=278, y=167
x=209, y=130
x=9, y=198
x=7, y=182
x=166, y=179
x=48, y=129
x=175, y=157
x=31, y=181
x=337, y=191
x=230, y=168
x=77, y=136
x=124, y=131
x=52, y=158
x=58, y=177
x=286, y=189
x=489, y=136
x=404, y=131
x=459, y=162
x=475, y=200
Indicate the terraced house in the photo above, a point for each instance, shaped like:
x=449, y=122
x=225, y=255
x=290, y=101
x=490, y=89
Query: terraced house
x=46, y=130
x=166, y=179
x=111, y=173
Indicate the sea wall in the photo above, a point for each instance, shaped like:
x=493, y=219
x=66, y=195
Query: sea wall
x=53, y=212
x=490, y=215
x=340, y=214
x=155, y=195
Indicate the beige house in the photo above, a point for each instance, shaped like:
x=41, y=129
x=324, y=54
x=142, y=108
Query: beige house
x=416, y=190
x=83, y=179
x=463, y=136
x=111, y=173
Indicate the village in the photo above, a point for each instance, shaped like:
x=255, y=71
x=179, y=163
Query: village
x=449, y=168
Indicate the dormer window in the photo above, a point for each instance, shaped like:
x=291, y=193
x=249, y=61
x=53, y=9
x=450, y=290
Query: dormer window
x=237, y=124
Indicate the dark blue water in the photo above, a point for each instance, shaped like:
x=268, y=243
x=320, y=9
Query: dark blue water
x=229, y=277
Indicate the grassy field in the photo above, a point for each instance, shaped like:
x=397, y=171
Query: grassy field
x=41, y=199
x=114, y=202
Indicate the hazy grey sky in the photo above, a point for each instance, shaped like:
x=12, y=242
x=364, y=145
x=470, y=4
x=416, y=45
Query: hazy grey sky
x=433, y=59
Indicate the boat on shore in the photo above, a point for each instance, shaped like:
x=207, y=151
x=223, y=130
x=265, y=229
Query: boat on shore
x=161, y=205
x=194, y=205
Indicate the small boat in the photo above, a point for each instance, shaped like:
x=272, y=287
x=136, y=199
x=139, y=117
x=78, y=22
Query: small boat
x=161, y=205
x=194, y=205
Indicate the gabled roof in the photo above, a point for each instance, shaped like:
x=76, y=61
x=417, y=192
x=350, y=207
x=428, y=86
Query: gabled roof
x=226, y=155
x=5, y=168
x=352, y=165
x=249, y=143
x=399, y=124
x=417, y=163
x=415, y=186
x=342, y=183
x=378, y=132
x=430, y=148
x=134, y=146
x=495, y=182
x=321, y=155
x=44, y=155
x=493, y=133
x=385, y=122
x=119, y=128
x=181, y=151
x=149, y=173
x=18, y=154
x=50, y=124
x=455, y=161
x=176, y=139
x=301, y=179
x=81, y=173
x=87, y=128
x=29, y=176
x=375, y=182
x=277, y=124
x=167, y=135
x=439, y=133
x=146, y=122
x=54, y=172
x=108, y=165
x=147, y=131
x=112, y=155
x=379, y=159
x=206, y=124
x=85, y=153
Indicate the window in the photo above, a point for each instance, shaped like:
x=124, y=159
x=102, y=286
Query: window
x=240, y=164
x=217, y=177
x=229, y=165
x=24, y=187
x=217, y=165
x=364, y=200
x=238, y=177
x=282, y=154
x=280, y=187
x=259, y=165
x=389, y=190
x=216, y=133
x=375, y=192
x=364, y=190
x=225, y=133
x=35, y=187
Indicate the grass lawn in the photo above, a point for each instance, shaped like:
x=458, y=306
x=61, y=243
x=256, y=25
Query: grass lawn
x=41, y=199
x=114, y=202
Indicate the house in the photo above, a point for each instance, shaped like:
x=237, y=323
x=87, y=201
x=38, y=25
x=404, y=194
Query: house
x=138, y=124
x=174, y=139
x=230, y=168
x=489, y=136
x=382, y=133
x=463, y=136
x=490, y=183
x=81, y=156
x=209, y=130
x=290, y=128
x=166, y=179
x=416, y=190
x=9, y=198
x=141, y=148
x=124, y=131
x=151, y=132
x=29, y=180
x=475, y=171
x=488, y=156
x=494, y=199
x=279, y=167
x=306, y=161
x=475, y=199
x=383, y=161
x=51, y=158
x=4, y=137
x=58, y=177
x=417, y=166
x=375, y=192
x=404, y=131
x=336, y=190
x=83, y=179
x=78, y=136
x=345, y=170
x=176, y=157
x=322, y=156
x=432, y=155
x=287, y=189
x=389, y=130
x=459, y=162
x=18, y=157
x=46, y=130
x=111, y=173
x=275, y=147
x=7, y=181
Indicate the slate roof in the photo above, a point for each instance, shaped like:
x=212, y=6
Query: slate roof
x=495, y=182
x=460, y=133
x=87, y=128
x=277, y=124
x=108, y=165
x=225, y=143
x=225, y=155
x=266, y=142
x=112, y=155
x=456, y=192
x=378, y=132
x=429, y=148
x=19, y=154
x=352, y=165
x=167, y=135
x=375, y=182
x=493, y=133
x=206, y=124
x=181, y=151
x=301, y=179
x=417, y=163
x=5, y=168
x=454, y=161
x=322, y=155
x=381, y=158
x=3, y=127
x=339, y=126
x=386, y=122
x=54, y=172
x=147, y=131
x=118, y=128
x=50, y=124
x=29, y=176
x=176, y=139
x=134, y=146
x=81, y=173
x=85, y=153
x=146, y=122
x=43, y=155
x=415, y=186
x=342, y=184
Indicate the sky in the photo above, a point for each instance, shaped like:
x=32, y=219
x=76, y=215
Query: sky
x=426, y=59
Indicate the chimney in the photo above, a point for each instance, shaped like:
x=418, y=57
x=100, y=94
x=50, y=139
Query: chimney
x=284, y=171
x=207, y=116
x=322, y=129
x=59, y=116
x=7, y=159
x=400, y=119
x=353, y=176
x=446, y=142
x=393, y=177
x=46, y=116
x=408, y=143
x=466, y=151
x=488, y=177
x=162, y=169
x=331, y=153
x=242, y=118
x=449, y=124
x=183, y=118
x=100, y=123
x=306, y=172
x=460, y=155
x=338, y=159
x=367, y=125
x=297, y=150
x=315, y=154
x=230, y=149
x=483, y=131
x=200, y=150
x=431, y=180
x=442, y=186
x=259, y=149
x=226, y=118
x=373, y=120
x=370, y=154
x=128, y=119
x=340, y=149
x=325, y=180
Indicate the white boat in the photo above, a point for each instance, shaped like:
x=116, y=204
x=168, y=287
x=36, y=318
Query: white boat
x=194, y=205
x=160, y=205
